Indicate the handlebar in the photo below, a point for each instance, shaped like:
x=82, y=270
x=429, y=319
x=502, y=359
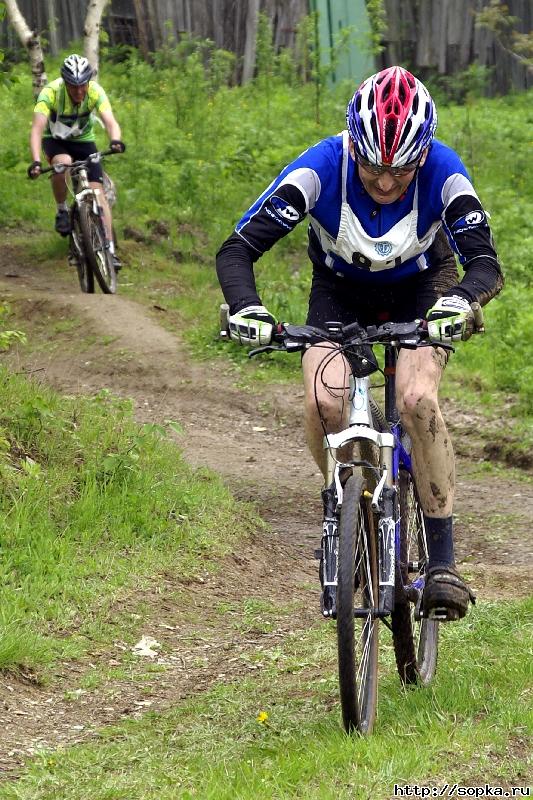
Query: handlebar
x=297, y=338
x=77, y=165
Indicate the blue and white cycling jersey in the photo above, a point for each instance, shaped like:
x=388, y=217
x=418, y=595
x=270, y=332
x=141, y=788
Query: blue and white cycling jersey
x=353, y=235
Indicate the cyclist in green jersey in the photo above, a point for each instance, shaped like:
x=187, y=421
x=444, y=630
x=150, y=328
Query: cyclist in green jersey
x=63, y=127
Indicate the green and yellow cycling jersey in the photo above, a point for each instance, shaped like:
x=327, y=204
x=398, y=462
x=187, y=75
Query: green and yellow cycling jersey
x=66, y=120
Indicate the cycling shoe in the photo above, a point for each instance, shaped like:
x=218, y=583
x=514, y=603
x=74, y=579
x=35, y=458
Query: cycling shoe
x=446, y=595
x=62, y=224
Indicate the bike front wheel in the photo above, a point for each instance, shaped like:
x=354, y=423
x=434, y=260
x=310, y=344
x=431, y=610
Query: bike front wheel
x=415, y=640
x=357, y=601
x=77, y=253
x=97, y=253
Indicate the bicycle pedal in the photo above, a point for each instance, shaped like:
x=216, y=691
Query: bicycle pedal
x=442, y=614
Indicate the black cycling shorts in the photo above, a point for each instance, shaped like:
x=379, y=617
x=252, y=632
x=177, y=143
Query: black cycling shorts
x=338, y=299
x=77, y=151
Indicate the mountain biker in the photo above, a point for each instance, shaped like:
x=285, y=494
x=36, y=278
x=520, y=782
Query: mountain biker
x=63, y=126
x=378, y=196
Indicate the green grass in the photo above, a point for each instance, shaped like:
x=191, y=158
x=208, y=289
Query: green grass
x=93, y=508
x=277, y=734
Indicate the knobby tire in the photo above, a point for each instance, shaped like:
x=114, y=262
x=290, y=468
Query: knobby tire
x=415, y=641
x=98, y=256
x=357, y=637
x=77, y=244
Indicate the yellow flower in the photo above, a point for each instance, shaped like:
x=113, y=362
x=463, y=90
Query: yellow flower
x=262, y=717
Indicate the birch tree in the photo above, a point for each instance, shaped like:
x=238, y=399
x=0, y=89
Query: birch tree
x=32, y=42
x=91, y=32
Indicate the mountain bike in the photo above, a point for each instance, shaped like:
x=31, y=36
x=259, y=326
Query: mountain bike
x=89, y=248
x=373, y=554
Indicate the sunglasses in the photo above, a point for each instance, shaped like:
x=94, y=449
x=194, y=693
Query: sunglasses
x=397, y=172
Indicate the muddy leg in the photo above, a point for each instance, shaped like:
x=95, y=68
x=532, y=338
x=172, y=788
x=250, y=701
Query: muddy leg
x=417, y=382
x=326, y=407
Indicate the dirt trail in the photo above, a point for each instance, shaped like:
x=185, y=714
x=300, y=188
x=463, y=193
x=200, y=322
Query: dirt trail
x=262, y=457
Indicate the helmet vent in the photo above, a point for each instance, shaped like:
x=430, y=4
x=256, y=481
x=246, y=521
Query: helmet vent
x=374, y=127
x=390, y=133
x=371, y=100
x=402, y=93
x=405, y=134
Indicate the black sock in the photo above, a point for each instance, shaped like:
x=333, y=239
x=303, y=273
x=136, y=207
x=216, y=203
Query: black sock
x=439, y=534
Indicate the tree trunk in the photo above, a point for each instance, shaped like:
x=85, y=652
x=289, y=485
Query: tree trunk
x=91, y=32
x=248, y=65
x=31, y=41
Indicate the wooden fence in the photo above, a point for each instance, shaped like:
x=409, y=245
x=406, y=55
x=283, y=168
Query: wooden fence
x=223, y=21
x=429, y=35
x=441, y=35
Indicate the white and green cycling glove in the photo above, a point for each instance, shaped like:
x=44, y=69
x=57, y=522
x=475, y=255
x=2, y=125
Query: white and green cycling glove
x=450, y=320
x=252, y=326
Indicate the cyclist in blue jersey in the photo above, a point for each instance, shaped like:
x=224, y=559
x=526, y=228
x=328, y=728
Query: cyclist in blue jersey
x=382, y=198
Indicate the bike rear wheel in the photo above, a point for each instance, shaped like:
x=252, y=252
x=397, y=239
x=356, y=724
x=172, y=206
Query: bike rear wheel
x=77, y=249
x=98, y=255
x=357, y=599
x=415, y=641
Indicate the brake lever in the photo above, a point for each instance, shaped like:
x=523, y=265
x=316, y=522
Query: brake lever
x=268, y=348
x=444, y=345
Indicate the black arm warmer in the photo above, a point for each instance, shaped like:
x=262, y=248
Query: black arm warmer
x=278, y=214
x=467, y=227
x=235, y=272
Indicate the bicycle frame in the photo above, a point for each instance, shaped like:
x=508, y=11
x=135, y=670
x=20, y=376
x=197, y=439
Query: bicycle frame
x=392, y=457
x=81, y=189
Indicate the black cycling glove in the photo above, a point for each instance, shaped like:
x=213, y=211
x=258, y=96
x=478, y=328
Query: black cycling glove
x=31, y=170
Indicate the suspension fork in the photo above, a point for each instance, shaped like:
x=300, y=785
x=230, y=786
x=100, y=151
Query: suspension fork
x=387, y=534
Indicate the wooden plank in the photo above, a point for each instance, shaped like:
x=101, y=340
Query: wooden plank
x=466, y=45
x=424, y=49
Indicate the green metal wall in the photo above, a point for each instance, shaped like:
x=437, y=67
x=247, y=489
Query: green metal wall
x=355, y=64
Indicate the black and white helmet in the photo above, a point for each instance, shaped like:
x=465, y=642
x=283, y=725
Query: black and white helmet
x=76, y=70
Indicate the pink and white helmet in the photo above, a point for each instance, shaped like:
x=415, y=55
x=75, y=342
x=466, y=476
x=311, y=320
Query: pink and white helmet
x=391, y=118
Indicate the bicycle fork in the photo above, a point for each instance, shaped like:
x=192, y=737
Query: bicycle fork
x=387, y=551
x=328, y=553
x=383, y=499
